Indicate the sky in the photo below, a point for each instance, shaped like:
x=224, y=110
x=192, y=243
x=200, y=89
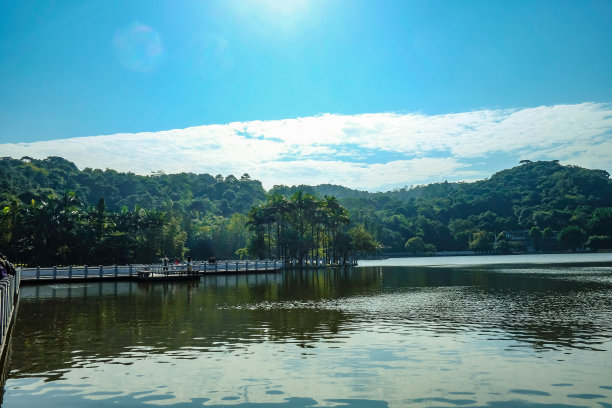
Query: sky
x=368, y=94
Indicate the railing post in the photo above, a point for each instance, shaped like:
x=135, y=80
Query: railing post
x=85, y=272
x=100, y=272
x=236, y=266
x=266, y=264
x=1, y=314
x=54, y=272
x=275, y=264
x=69, y=271
x=2, y=311
x=116, y=270
x=38, y=272
x=216, y=264
x=226, y=266
x=7, y=311
x=246, y=266
x=5, y=308
x=256, y=264
x=17, y=282
x=130, y=270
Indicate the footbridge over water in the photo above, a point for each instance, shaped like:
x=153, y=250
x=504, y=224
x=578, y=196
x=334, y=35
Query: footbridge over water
x=38, y=275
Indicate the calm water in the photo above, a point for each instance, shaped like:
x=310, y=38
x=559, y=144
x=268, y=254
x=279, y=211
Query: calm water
x=517, y=335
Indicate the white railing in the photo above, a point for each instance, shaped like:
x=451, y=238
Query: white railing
x=126, y=271
x=9, y=293
x=129, y=271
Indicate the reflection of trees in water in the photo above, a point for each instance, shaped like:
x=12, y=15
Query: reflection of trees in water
x=4, y=365
x=532, y=305
x=572, y=316
x=56, y=327
x=103, y=320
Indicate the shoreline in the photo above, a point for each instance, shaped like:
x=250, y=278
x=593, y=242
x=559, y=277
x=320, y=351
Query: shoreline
x=488, y=259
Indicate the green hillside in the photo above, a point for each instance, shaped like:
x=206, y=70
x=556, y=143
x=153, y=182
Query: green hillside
x=52, y=212
x=540, y=197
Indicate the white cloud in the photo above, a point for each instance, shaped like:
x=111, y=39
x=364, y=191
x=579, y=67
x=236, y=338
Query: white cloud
x=377, y=176
x=370, y=151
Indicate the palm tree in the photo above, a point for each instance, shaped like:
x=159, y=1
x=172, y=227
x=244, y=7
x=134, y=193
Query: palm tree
x=279, y=207
x=336, y=216
x=256, y=219
x=304, y=226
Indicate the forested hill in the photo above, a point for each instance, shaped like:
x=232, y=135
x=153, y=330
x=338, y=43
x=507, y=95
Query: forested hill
x=544, y=185
x=53, y=213
x=544, y=198
x=552, y=205
x=537, y=199
x=28, y=179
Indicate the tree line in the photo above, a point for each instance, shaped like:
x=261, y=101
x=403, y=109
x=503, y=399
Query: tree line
x=54, y=213
x=49, y=217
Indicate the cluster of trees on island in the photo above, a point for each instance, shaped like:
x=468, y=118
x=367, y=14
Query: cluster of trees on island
x=305, y=226
x=53, y=213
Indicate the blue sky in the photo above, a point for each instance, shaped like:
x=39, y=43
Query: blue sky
x=431, y=73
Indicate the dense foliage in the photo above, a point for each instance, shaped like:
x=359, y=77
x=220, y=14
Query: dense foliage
x=539, y=200
x=53, y=213
x=304, y=226
x=535, y=200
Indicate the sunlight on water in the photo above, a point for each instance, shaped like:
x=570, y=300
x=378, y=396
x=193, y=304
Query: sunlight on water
x=368, y=337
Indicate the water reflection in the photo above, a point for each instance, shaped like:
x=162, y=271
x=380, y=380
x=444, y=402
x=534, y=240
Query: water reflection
x=362, y=333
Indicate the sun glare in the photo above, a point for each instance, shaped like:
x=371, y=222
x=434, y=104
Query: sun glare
x=283, y=8
x=284, y=15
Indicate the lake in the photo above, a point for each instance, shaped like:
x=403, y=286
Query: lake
x=518, y=331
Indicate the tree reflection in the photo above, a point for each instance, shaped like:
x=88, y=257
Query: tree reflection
x=60, y=326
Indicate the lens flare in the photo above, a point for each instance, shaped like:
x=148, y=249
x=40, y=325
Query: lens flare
x=138, y=47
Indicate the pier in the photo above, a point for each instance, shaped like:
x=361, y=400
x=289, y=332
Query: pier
x=71, y=273
x=40, y=275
